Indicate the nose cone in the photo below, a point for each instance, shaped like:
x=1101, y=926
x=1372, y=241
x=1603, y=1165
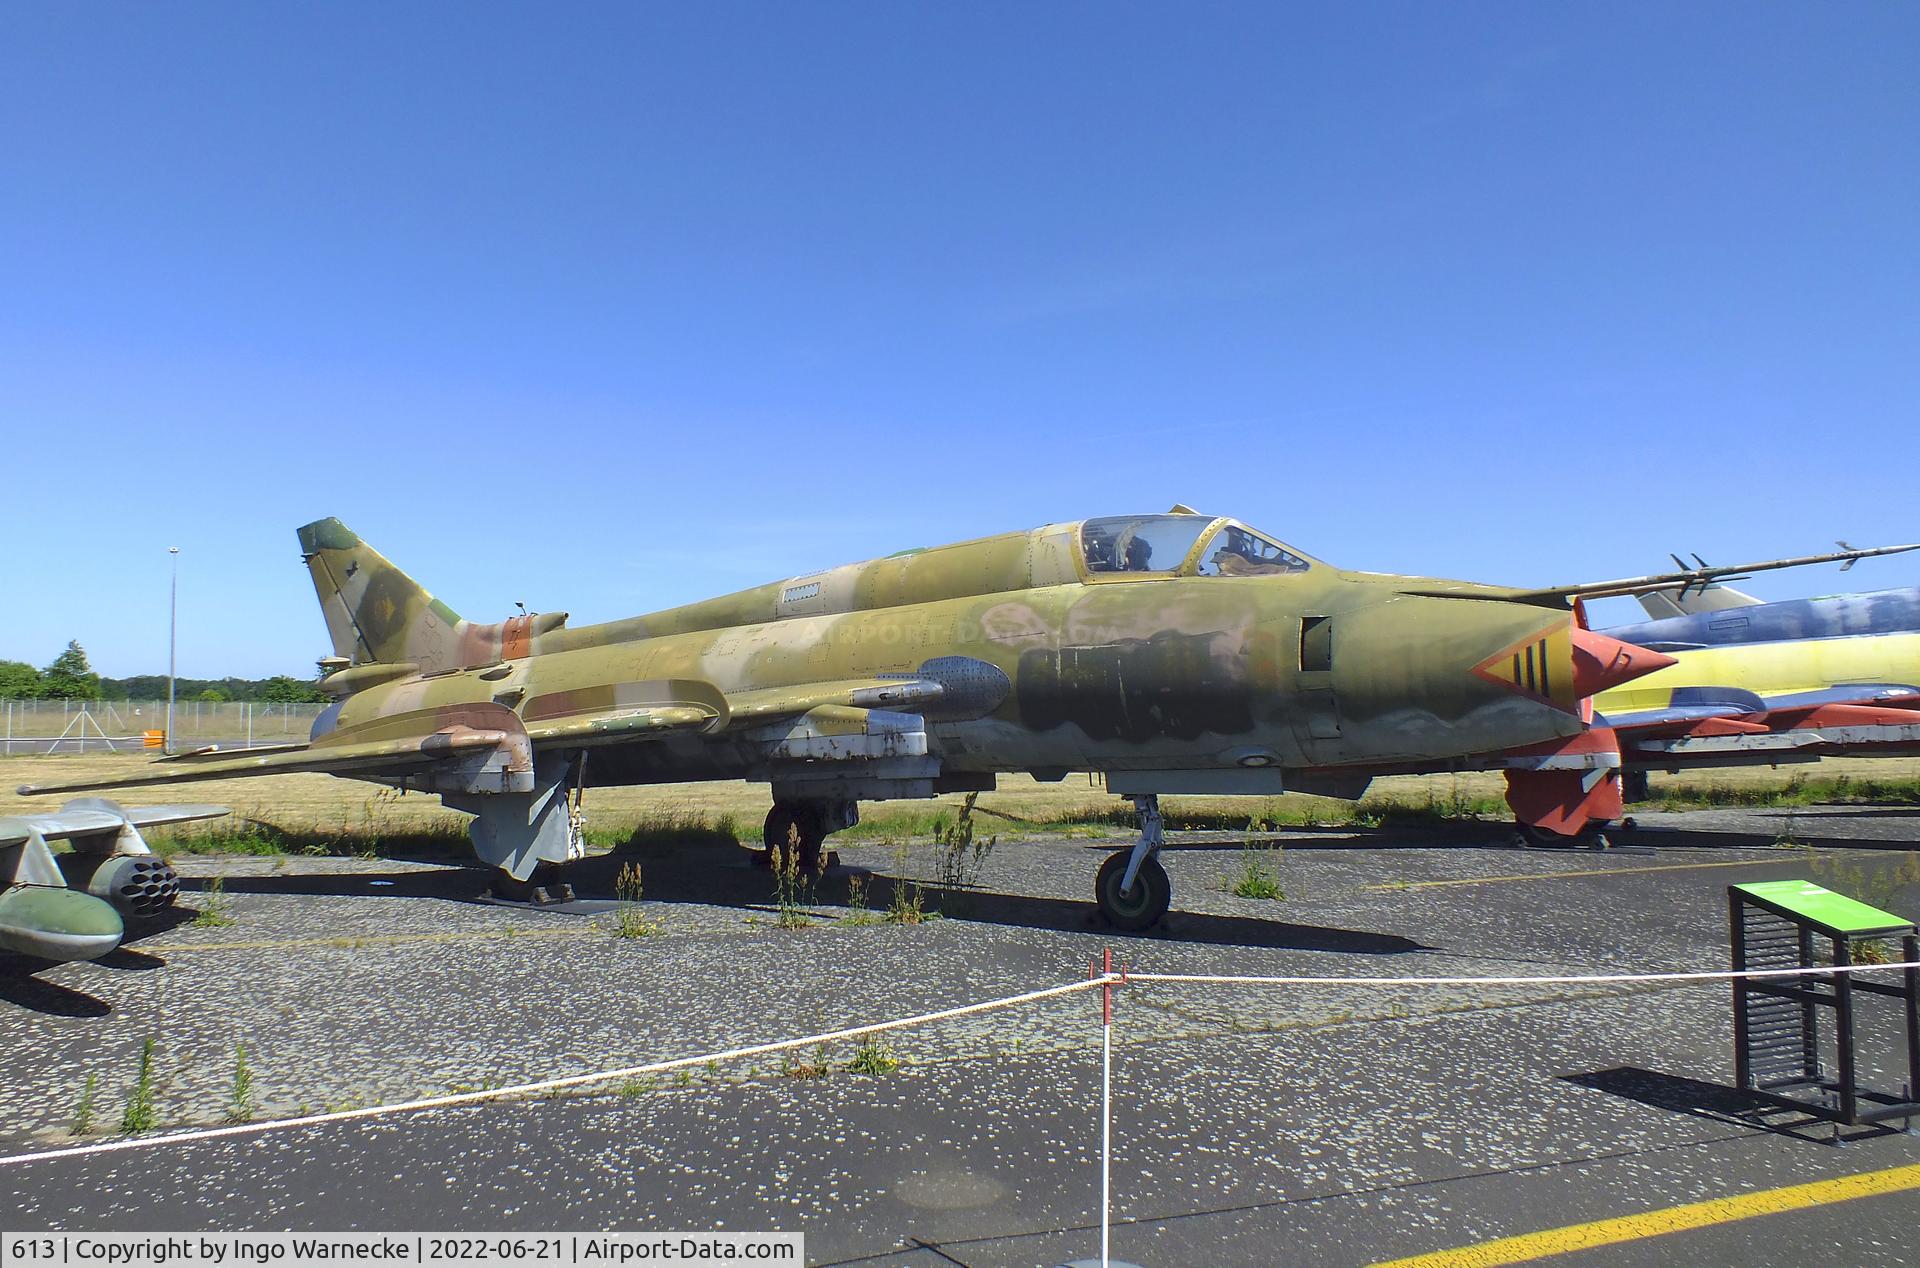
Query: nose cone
x=1600, y=662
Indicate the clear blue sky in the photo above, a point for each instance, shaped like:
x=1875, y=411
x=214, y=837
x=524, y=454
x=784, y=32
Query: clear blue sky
x=611, y=307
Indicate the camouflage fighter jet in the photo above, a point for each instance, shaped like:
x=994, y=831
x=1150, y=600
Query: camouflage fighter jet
x=1176, y=653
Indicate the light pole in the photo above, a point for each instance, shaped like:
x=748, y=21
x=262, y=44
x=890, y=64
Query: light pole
x=173, y=626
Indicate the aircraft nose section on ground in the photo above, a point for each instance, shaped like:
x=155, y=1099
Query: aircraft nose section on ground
x=1600, y=662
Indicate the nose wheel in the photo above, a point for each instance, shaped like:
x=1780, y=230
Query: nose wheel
x=1136, y=902
x=1140, y=907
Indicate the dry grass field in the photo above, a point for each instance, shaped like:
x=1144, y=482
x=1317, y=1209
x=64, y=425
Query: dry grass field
x=322, y=805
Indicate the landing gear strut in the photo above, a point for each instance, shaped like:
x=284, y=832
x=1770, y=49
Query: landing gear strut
x=1133, y=890
x=795, y=828
x=528, y=837
x=802, y=828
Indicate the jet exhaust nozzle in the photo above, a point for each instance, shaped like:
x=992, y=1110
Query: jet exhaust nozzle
x=1600, y=662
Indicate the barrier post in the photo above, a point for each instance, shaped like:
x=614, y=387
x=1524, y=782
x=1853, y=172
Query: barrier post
x=1106, y=1109
x=1102, y=971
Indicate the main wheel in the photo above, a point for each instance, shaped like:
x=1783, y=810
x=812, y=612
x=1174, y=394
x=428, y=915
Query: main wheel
x=1593, y=837
x=795, y=827
x=1143, y=906
x=546, y=887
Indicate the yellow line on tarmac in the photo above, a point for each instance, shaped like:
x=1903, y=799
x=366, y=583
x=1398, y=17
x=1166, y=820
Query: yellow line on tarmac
x=371, y=940
x=1675, y=1219
x=1595, y=871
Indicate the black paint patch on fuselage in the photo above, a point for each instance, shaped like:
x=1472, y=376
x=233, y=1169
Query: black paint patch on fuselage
x=1172, y=685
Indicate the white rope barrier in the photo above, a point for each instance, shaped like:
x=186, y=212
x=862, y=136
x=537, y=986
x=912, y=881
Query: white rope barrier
x=545, y=1085
x=1568, y=979
x=1123, y=977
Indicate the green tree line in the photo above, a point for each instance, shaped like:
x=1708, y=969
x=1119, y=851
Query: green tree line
x=70, y=677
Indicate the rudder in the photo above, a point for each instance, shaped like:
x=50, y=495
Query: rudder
x=374, y=611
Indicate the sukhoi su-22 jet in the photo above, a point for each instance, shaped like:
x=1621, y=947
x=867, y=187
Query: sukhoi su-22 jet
x=1175, y=653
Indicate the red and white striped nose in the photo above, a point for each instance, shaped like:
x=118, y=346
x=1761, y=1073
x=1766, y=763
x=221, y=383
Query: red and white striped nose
x=1565, y=663
x=1600, y=662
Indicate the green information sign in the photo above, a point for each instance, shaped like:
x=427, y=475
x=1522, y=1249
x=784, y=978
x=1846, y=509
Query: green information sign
x=1818, y=905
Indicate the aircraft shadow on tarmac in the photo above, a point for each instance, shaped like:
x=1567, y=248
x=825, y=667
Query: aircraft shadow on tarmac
x=19, y=984
x=724, y=876
x=21, y=981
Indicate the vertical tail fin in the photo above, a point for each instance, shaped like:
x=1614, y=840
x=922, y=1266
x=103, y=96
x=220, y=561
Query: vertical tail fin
x=374, y=611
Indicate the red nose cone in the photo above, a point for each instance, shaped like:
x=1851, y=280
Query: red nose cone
x=1600, y=662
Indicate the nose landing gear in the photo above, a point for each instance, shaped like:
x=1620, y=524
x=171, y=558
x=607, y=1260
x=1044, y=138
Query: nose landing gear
x=1132, y=889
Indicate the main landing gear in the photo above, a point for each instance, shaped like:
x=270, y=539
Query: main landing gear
x=801, y=828
x=1591, y=837
x=545, y=887
x=1566, y=800
x=1133, y=890
x=530, y=837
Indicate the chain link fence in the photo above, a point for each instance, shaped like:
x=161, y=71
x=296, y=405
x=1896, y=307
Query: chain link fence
x=102, y=726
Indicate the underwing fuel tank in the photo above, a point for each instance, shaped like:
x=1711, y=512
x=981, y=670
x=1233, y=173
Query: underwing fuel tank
x=51, y=923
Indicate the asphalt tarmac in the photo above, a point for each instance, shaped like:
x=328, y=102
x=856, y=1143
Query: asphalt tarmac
x=1253, y=1125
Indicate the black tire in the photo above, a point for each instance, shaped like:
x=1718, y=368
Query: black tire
x=795, y=826
x=1594, y=837
x=545, y=886
x=1142, y=908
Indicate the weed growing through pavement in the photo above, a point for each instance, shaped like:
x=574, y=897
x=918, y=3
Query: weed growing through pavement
x=816, y=1068
x=630, y=921
x=139, y=1115
x=857, y=912
x=906, y=899
x=637, y=1087
x=1255, y=879
x=83, y=1113
x=216, y=909
x=961, y=856
x=240, y=1097
x=1873, y=951
x=791, y=887
x=873, y=1057
x=907, y=905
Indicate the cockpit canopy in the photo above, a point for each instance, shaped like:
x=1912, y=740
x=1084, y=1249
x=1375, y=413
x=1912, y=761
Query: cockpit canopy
x=1192, y=545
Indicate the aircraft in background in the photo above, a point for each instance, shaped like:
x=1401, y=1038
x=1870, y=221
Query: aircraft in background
x=1768, y=683
x=1175, y=653
x=42, y=914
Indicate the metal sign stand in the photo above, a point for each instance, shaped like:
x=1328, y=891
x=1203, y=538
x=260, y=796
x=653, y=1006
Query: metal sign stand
x=1777, y=1047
